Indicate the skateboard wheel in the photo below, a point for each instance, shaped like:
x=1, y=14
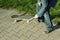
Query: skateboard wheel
x=15, y=21
x=27, y=21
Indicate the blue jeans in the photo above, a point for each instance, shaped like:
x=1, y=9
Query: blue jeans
x=41, y=12
x=47, y=20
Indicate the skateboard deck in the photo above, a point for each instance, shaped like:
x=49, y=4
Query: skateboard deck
x=23, y=18
x=27, y=20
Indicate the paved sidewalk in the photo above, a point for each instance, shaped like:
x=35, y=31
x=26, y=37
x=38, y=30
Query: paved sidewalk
x=22, y=30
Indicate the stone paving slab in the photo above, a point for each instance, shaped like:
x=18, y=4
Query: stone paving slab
x=22, y=30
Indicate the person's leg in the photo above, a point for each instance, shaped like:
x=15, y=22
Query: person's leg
x=48, y=21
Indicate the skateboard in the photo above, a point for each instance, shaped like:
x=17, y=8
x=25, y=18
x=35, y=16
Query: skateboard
x=23, y=18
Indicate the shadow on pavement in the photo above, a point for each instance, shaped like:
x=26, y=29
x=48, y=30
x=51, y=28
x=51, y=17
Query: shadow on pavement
x=14, y=16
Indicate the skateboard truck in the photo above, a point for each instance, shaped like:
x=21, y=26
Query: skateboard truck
x=30, y=19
